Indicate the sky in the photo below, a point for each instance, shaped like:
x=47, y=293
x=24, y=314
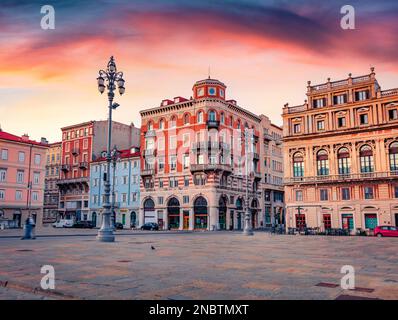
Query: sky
x=264, y=51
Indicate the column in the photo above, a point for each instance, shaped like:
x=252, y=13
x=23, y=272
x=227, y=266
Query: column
x=181, y=226
x=213, y=218
x=140, y=218
x=191, y=219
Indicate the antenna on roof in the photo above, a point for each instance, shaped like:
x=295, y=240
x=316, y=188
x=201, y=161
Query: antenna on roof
x=209, y=72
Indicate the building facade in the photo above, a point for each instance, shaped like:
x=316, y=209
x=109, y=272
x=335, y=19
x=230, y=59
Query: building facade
x=22, y=171
x=341, y=156
x=51, y=191
x=125, y=188
x=193, y=163
x=81, y=144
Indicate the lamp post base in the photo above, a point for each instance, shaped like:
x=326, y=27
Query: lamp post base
x=248, y=232
x=105, y=236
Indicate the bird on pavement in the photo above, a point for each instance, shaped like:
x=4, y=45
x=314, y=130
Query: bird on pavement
x=153, y=248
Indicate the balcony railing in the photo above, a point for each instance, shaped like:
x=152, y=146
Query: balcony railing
x=342, y=177
x=65, y=167
x=82, y=180
x=256, y=156
x=148, y=172
x=150, y=134
x=149, y=152
x=83, y=165
x=75, y=151
x=210, y=167
x=213, y=124
x=268, y=137
x=210, y=145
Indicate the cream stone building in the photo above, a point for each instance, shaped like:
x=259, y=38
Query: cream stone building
x=341, y=156
x=193, y=163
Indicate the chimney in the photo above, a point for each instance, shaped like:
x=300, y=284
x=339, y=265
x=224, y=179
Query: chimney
x=25, y=137
x=44, y=140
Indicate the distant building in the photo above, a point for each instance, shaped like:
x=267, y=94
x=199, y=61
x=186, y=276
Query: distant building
x=81, y=144
x=341, y=156
x=193, y=164
x=51, y=191
x=125, y=182
x=22, y=170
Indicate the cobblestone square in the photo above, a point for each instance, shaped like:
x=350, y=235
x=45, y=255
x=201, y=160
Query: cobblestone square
x=198, y=265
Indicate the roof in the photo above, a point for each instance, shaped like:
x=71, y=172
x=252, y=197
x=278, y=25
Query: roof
x=124, y=154
x=10, y=137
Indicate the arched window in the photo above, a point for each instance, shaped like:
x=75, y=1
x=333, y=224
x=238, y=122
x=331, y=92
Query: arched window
x=186, y=118
x=149, y=205
x=150, y=125
x=161, y=124
x=238, y=125
x=239, y=204
x=231, y=121
x=1, y=213
x=200, y=117
x=393, y=151
x=322, y=163
x=366, y=159
x=298, y=165
x=222, y=117
x=173, y=122
x=212, y=116
x=343, y=159
x=200, y=213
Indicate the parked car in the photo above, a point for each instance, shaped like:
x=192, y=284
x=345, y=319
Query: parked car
x=83, y=225
x=63, y=223
x=118, y=225
x=150, y=226
x=386, y=231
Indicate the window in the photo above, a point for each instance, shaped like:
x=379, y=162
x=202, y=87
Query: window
x=200, y=117
x=186, y=140
x=341, y=122
x=3, y=175
x=319, y=103
x=199, y=179
x=20, y=176
x=368, y=191
x=160, y=200
x=340, y=99
x=161, y=163
x=173, y=122
x=393, y=154
x=186, y=161
x=125, y=180
x=4, y=154
x=173, y=143
x=21, y=156
x=327, y=221
x=320, y=125
x=322, y=163
x=222, y=118
x=150, y=125
x=185, y=199
x=396, y=191
x=160, y=183
x=345, y=194
x=363, y=119
x=297, y=128
x=124, y=197
x=298, y=165
x=35, y=196
x=343, y=159
x=161, y=143
x=186, y=119
x=173, y=182
x=366, y=159
x=161, y=124
x=36, y=177
x=85, y=143
x=393, y=114
x=212, y=91
x=362, y=95
x=173, y=162
x=200, y=159
x=2, y=194
x=299, y=195
x=212, y=116
x=186, y=181
x=324, y=195
x=37, y=159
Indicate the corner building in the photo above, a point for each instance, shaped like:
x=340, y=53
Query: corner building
x=341, y=156
x=193, y=173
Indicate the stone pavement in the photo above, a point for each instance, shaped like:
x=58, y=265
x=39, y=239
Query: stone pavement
x=206, y=265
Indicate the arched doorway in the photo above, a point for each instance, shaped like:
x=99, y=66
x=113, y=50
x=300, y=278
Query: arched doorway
x=254, y=213
x=17, y=217
x=173, y=213
x=149, y=211
x=222, y=213
x=200, y=213
x=94, y=219
x=133, y=219
x=239, y=209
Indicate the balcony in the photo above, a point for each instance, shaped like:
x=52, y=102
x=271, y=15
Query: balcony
x=65, y=167
x=268, y=137
x=76, y=181
x=341, y=178
x=257, y=175
x=83, y=165
x=213, y=124
x=147, y=172
x=210, y=167
x=256, y=156
x=149, y=153
x=75, y=151
x=150, y=134
x=209, y=145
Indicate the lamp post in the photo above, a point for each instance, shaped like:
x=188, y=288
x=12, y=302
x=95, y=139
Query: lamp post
x=247, y=231
x=115, y=158
x=112, y=77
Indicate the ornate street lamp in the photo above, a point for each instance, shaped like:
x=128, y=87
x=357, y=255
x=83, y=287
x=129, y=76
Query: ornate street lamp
x=108, y=79
x=115, y=155
x=247, y=231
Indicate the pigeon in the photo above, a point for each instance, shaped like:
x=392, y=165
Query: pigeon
x=153, y=248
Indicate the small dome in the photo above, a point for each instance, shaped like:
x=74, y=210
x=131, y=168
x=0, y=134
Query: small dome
x=209, y=88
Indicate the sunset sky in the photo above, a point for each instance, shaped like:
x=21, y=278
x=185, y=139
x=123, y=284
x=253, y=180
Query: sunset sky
x=264, y=51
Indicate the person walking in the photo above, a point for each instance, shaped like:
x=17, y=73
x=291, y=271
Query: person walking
x=27, y=230
x=33, y=228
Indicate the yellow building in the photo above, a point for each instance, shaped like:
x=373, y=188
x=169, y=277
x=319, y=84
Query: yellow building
x=341, y=156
